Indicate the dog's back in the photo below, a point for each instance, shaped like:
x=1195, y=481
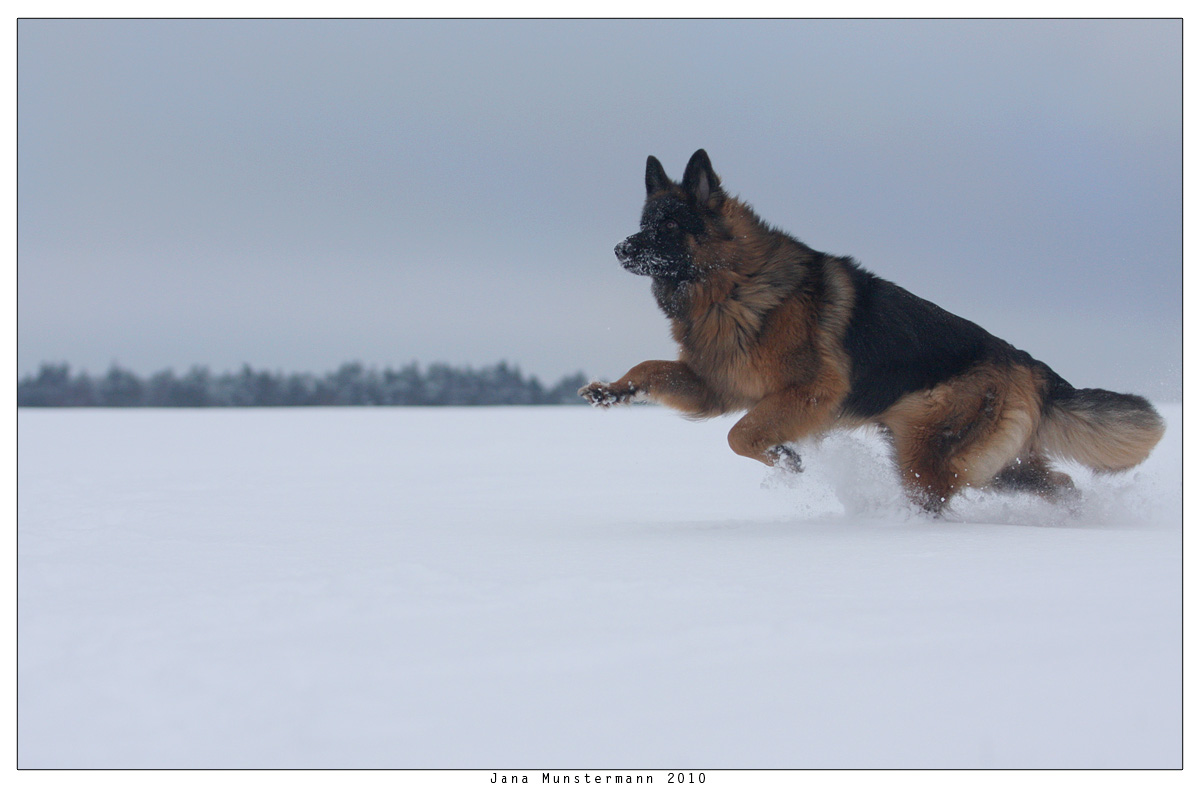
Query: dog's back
x=899, y=343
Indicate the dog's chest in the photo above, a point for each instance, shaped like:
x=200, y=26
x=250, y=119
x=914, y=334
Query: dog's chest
x=720, y=342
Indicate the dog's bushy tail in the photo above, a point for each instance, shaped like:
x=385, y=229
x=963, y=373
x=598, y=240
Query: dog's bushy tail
x=1103, y=430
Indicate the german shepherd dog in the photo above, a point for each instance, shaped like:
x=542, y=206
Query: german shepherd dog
x=805, y=342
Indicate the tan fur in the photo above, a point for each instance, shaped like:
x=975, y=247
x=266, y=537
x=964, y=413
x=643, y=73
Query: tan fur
x=755, y=340
x=1110, y=446
x=962, y=433
x=747, y=315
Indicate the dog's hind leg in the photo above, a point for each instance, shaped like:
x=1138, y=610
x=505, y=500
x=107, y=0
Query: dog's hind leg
x=961, y=434
x=928, y=477
x=1032, y=474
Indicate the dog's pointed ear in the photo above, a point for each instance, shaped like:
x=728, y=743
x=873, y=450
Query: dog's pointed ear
x=656, y=176
x=699, y=179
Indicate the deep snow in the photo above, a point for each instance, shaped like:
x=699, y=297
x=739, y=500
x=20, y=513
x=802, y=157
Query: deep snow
x=507, y=588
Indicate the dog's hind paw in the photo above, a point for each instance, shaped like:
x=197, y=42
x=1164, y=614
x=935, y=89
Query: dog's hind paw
x=603, y=395
x=1067, y=496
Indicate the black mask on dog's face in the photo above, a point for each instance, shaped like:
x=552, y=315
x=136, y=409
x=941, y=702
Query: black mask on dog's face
x=671, y=214
x=658, y=249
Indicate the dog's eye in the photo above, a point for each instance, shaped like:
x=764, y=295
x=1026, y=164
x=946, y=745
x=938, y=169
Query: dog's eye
x=670, y=224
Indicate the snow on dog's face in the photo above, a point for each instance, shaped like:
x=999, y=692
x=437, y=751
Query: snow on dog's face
x=673, y=219
x=659, y=249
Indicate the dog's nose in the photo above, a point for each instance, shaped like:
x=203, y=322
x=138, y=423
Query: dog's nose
x=622, y=250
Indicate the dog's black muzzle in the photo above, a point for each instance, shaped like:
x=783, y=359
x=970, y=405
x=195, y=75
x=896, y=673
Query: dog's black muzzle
x=642, y=254
x=634, y=255
x=625, y=250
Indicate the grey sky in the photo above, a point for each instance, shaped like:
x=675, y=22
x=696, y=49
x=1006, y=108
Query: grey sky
x=298, y=194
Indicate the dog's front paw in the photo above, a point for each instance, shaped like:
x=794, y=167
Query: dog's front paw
x=603, y=395
x=786, y=458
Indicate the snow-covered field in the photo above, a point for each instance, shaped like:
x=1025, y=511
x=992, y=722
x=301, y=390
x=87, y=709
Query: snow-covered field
x=552, y=588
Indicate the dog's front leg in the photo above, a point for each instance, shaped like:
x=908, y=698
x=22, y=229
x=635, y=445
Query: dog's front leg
x=670, y=383
x=778, y=419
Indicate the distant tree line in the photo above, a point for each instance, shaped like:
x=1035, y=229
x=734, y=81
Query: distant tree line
x=351, y=384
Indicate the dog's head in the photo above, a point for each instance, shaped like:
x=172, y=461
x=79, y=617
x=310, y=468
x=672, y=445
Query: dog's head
x=676, y=217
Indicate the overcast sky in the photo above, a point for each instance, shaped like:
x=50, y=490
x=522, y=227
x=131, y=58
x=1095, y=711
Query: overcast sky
x=294, y=195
